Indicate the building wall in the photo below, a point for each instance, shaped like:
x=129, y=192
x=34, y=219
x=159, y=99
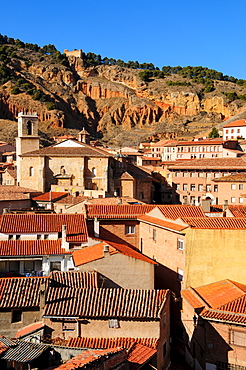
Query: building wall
x=82, y=174
x=162, y=245
x=100, y=328
x=232, y=192
x=209, y=342
x=193, y=185
x=9, y=329
x=115, y=230
x=135, y=274
x=234, y=132
x=214, y=255
x=15, y=204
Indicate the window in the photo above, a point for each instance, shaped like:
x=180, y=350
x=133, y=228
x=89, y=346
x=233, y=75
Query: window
x=238, y=338
x=177, y=186
x=180, y=244
x=208, y=187
x=193, y=174
x=200, y=174
x=233, y=199
x=141, y=195
x=177, y=174
x=217, y=174
x=94, y=172
x=154, y=235
x=16, y=315
x=193, y=187
x=233, y=186
x=200, y=187
x=186, y=174
x=68, y=326
x=232, y=130
x=208, y=174
x=216, y=188
x=38, y=236
x=31, y=171
x=130, y=229
x=11, y=237
x=238, y=130
x=180, y=274
x=227, y=131
x=113, y=323
x=240, y=200
x=240, y=186
x=185, y=187
x=46, y=236
x=55, y=266
x=17, y=237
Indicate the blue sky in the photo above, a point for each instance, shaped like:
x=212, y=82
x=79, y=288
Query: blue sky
x=197, y=33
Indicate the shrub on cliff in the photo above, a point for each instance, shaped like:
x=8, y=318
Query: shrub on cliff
x=50, y=105
x=15, y=90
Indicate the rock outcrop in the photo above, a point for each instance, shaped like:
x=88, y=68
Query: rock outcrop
x=103, y=97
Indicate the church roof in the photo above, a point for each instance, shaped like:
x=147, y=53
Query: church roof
x=68, y=148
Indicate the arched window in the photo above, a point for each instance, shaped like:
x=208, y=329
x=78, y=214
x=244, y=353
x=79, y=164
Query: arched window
x=62, y=170
x=94, y=172
x=31, y=171
x=29, y=128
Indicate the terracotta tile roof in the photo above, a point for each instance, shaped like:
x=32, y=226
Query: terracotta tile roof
x=12, y=173
x=50, y=196
x=114, y=200
x=239, y=123
x=175, y=211
x=151, y=158
x=224, y=316
x=45, y=223
x=216, y=141
x=125, y=342
x=29, y=329
x=8, y=196
x=215, y=222
x=71, y=200
x=31, y=248
x=20, y=292
x=237, y=211
x=240, y=177
x=211, y=163
x=92, y=357
x=219, y=293
x=135, y=210
x=117, y=211
x=96, y=252
x=74, y=279
x=104, y=303
x=162, y=223
x=16, y=189
x=138, y=355
x=58, y=151
x=193, y=298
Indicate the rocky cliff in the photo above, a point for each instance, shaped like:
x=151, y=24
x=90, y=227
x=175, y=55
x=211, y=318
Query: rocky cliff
x=109, y=100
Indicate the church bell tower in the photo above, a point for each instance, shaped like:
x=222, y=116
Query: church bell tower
x=27, y=140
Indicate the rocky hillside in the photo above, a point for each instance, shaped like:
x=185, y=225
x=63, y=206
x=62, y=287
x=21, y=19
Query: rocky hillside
x=110, y=101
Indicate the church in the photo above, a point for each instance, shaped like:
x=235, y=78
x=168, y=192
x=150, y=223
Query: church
x=72, y=165
x=76, y=166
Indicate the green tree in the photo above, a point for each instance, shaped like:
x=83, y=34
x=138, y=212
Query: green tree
x=214, y=133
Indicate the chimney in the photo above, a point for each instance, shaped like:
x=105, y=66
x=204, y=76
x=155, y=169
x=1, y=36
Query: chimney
x=64, y=244
x=42, y=296
x=96, y=228
x=106, y=250
x=205, y=203
x=225, y=205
